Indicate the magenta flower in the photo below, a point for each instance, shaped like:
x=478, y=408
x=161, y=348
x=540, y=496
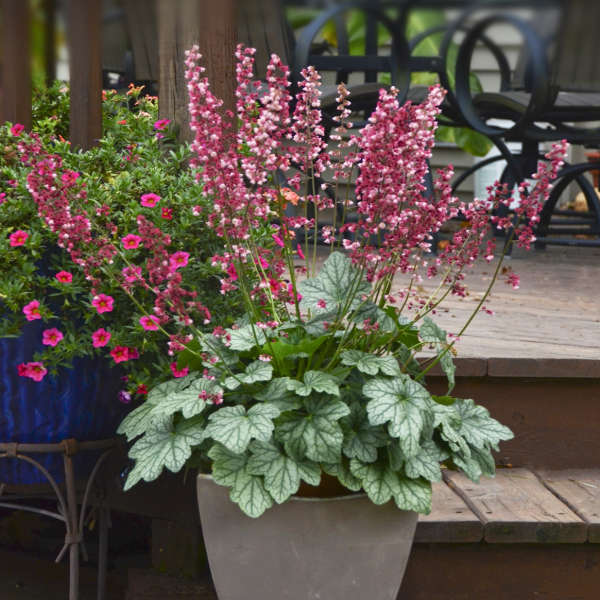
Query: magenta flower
x=178, y=372
x=167, y=213
x=18, y=238
x=278, y=240
x=33, y=370
x=124, y=397
x=178, y=260
x=131, y=241
x=103, y=303
x=120, y=354
x=161, y=124
x=32, y=311
x=300, y=253
x=100, y=338
x=51, y=337
x=64, y=277
x=17, y=129
x=149, y=323
x=149, y=200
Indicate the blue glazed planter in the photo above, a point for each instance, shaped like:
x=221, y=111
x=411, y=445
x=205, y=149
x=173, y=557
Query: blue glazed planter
x=79, y=403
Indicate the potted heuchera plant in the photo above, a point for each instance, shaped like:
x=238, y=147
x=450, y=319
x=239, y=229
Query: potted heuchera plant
x=322, y=380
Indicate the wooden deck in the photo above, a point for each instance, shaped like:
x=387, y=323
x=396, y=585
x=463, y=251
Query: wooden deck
x=555, y=315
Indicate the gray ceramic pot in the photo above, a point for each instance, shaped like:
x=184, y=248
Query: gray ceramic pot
x=342, y=548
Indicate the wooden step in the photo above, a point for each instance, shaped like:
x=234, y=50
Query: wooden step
x=515, y=507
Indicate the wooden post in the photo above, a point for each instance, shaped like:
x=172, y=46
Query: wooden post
x=16, y=68
x=210, y=24
x=49, y=8
x=85, y=71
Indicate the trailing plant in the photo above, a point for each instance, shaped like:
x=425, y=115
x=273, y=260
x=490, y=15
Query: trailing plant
x=325, y=372
x=137, y=174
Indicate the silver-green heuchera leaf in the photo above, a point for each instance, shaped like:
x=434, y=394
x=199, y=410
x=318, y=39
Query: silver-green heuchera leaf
x=234, y=428
x=282, y=474
x=316, y=435
x=246, y=337
x=334, y=287
x=314, y=381
x=401, y=402
x=187, y=400
x=164, y=445
x=247, y=490
x=370, y=364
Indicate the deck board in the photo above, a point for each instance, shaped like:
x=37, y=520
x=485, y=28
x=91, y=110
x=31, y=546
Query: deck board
x=450, y=520
x=554, y=315
x=580, y=490
x=515, y=507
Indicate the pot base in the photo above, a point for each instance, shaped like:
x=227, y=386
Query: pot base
x=305, y=549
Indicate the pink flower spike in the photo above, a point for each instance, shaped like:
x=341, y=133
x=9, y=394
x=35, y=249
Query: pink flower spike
x=232, y=272
x=64, y=277
x=33, y=370
x=300, y=253
x=149, y=200
x=178, y=372
x=132, y=274
x=131, y=241
x=103, y=303
x=178, y=260
x=161, y=124
x=32, y=311
x=100, y=338
x=149, y=323
x=51, y=337
x=17, y=129
x=18, y=238
x=278, y=240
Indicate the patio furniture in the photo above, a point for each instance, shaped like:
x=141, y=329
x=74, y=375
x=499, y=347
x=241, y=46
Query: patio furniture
x=552, y=98
x=68, y=498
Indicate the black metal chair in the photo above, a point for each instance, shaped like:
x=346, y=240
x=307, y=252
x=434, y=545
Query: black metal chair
x=557, y=92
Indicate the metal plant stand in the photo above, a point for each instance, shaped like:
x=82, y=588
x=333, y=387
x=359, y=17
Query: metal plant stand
x=67, y=511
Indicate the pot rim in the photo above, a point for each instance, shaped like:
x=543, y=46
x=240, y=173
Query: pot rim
x=353, y=496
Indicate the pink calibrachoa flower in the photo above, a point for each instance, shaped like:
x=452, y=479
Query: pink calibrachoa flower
x=161, y=124
x=100, y=338
x=64, y=277
x=17, y=129
x=103, y=303
x=32, y=311
x=167, y=213
x=18, y=238
x=33, y=370
x=149, y=323
x=179, y=372
x=131, y=241
x=178, y=260
x=149, y=200
x=123, y=354
x=51, y=337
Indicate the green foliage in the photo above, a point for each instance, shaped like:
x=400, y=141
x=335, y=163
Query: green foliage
x=320, y=405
